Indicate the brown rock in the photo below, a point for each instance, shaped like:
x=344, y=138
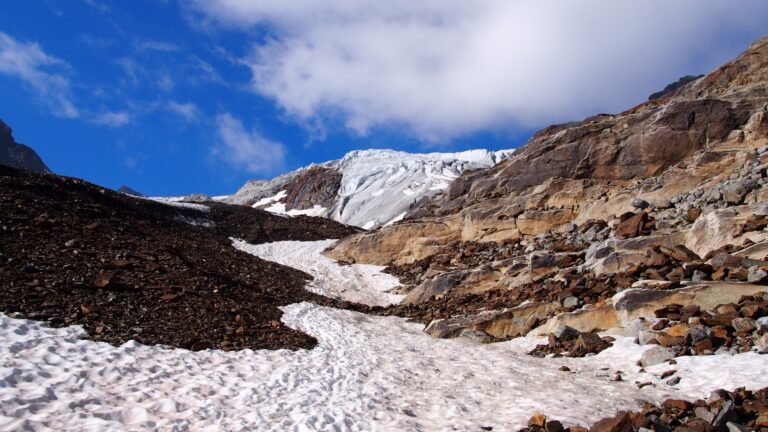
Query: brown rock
x=679, y=253
x=677, y=404
x=622, y=422
x=538, y=419
x=633, y=226
x=703, y=345
x=692, y=215
x=104, y=279
x=744, y=325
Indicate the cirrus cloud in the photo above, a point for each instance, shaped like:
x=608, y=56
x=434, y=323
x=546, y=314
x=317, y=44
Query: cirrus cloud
x=248, y=150
x=444, y=68
x=40, y=71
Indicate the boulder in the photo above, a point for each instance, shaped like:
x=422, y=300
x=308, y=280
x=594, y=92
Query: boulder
x=656, y=355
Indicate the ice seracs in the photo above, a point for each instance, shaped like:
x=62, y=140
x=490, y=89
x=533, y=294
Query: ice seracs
x=376, y=187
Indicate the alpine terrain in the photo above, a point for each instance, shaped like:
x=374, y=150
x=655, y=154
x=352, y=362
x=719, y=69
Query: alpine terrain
x=609, y=275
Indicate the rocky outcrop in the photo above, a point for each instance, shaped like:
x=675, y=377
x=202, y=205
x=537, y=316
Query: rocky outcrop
x=671, y=88
x=316, y=186
x=18, y=155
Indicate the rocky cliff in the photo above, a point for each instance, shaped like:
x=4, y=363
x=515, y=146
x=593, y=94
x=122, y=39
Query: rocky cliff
x=18, y=155
x=598, y=223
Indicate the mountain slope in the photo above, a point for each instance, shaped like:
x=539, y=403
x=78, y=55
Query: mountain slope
x=127, y=268
x=667, y=198
x=18, y=155
x=574, y=172
x=367, y=188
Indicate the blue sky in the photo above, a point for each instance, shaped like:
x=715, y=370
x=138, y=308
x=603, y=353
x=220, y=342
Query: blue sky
x=174, y=97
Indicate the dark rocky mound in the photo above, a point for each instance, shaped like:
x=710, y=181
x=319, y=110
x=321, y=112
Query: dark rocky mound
x=668, y=90
x=18, y=155
x=128, y=191
x=127, y=268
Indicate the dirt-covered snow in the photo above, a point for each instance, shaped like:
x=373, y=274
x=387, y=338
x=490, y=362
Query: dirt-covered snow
x=367, y=373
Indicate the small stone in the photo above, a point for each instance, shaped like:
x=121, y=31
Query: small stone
x=744, y=325
x=761, y=344
x=668, y=373
x=569, y=228
x=677, y=404
x=570, y=302
x=645, y=384
x=554, y=426
x=656, y=355
x=735, y=427
x=699, y=276
x=697, y=333
x=724, y=415
x=639, y=203
x=104, y=279
x=756, y=275
x=704, y=414
x=565, y=369
x=566, y=333
x=673, y=381
x=538, y=419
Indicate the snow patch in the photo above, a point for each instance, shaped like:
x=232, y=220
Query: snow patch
x=397, y=218
x=176, y=202
x=264, y=201
x=279, y=208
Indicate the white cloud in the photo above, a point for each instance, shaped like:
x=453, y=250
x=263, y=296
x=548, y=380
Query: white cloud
x=188, y=111
x=245, y=149
x=113, y=119
x=29, y=63
x=443, y=68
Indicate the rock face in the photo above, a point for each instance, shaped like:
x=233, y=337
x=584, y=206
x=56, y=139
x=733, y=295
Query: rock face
x=603, y=221
x=367, y=188
x=658, y=151
x=18, y=155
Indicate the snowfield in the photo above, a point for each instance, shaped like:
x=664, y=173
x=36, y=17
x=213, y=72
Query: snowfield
x=367, y=373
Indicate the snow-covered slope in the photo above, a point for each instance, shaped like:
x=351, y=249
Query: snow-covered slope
x=377, y=186
x=368, y=373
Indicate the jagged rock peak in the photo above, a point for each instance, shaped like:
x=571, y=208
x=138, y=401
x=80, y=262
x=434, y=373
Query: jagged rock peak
x=18, y=155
